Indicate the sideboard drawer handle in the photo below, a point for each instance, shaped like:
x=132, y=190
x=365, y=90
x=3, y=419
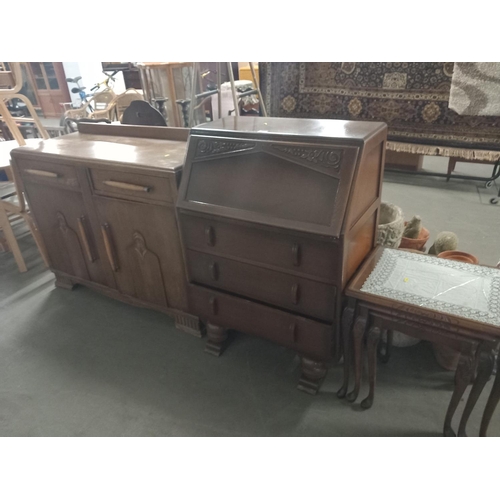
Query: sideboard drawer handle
x=295, y=292
x=42, y=173
x=296, y=254
x=214, y=270
x=293, y=332
x=127, y=186
x=210, y=236
x=213, y=305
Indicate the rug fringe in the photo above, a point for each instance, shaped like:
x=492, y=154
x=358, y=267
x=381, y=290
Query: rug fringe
x=424, y=149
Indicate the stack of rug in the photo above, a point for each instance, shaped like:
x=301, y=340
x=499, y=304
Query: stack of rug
x=412, y=98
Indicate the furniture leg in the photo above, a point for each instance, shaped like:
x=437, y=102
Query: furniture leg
x=372, y=342
x=451, y=167
x=347, y=320
x=492, y=402
x=463, y=376
x=388, y=347
x=312, y=375
x=485, y=368
x=358, y=334
x=217, y=337
x=64, y=282
x=11, y=239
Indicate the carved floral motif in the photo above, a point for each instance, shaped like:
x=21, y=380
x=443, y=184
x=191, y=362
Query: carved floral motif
x=318, y=156
x=209, y=147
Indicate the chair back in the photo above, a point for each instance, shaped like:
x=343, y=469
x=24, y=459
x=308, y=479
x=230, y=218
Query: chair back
x=142, y=113
x=122, y=101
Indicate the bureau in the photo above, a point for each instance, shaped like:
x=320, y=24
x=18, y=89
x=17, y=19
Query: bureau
x=103, y=200
x=276, y=215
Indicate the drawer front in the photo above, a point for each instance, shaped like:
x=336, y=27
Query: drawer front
x=300, y=295
x=296, y=254
x=125, y=185
x=53, y=174
x=301, y=334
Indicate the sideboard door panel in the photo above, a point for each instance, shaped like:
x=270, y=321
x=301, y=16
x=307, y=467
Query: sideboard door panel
x=143, y=251
x=63, y=222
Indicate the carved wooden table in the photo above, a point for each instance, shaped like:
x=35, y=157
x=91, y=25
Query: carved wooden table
x=433, y=299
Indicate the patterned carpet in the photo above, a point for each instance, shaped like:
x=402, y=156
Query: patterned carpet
x=412, y=98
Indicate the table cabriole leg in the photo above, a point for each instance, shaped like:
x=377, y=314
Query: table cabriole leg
x=372, y=342
x=492, y=403
x=358, y=334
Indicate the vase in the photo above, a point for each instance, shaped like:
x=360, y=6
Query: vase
x=391, y=225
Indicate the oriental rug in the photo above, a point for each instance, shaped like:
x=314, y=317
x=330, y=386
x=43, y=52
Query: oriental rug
x=412, y=98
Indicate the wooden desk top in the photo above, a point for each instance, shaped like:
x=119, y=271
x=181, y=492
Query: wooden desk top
x=117, y=144
x=428, y=295
x=350, y=131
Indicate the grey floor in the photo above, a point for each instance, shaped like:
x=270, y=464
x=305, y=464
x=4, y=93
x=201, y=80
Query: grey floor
x=80, y=364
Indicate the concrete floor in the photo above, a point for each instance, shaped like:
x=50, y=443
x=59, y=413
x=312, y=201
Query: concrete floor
x=80, y=364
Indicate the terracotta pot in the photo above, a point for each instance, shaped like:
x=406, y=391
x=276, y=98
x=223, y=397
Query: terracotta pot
x=460, y=256
x=390, y=225
x=416, y=243
x=446, y=356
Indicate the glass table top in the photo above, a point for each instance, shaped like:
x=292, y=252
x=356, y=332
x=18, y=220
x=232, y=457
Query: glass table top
x=457, y=288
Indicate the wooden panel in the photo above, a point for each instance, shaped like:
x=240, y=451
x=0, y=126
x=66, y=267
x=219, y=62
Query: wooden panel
x=266, y=185
x=54, y=174
x=126, y=185
x=63, y=223
x=367, y=182
x=306, y=297
x=292, y=252
x=143, y=248
x=306, y=336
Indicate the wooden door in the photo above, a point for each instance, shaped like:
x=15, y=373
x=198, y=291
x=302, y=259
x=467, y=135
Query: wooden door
x=51, y=86
x=66, y=231
x=144, y=251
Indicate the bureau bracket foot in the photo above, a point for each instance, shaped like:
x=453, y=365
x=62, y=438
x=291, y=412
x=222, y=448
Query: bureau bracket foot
x=312, y=376
x=217, y=337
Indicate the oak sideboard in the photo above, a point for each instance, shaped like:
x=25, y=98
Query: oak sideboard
x=103, y=200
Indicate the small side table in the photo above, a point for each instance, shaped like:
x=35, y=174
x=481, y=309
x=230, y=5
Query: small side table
x=433, y=299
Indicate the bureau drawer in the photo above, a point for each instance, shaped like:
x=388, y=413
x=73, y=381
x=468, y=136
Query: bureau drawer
x=300, y=295
x=294, y=253
x=53, y=174
x=127, y=185
x=304, y=335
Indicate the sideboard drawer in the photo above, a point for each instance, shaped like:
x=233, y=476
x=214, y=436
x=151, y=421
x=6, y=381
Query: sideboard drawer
x=295, y=253
x=306, y=336
x=53, y=174
x=300, y=295
x=127, y=185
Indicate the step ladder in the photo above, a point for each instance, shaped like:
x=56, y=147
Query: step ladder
x=204, y=96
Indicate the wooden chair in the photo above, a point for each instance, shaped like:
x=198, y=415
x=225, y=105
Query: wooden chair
x=13, y=207
x=142, y=113
x=122, y=101
x=102, y=104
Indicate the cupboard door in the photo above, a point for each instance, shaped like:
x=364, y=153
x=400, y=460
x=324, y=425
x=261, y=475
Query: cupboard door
x=66, y=231
x=143, y=249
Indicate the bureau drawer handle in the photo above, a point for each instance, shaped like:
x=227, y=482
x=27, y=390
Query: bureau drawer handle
x=127, y=186
x=214, y=270
x=296, y=254
x=210, y=236
x=42, y=173
x=295, y=292
x=293, y=332
x=213, y=305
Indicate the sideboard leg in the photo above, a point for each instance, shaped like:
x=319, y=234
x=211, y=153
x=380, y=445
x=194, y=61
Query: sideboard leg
x=463, y=376
x=347, y=320
x=485, y=369
x=312, y=375
x=492, y=402
x=64, y=282
x=217, y=337
x=372, y=342
x=358, y=334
